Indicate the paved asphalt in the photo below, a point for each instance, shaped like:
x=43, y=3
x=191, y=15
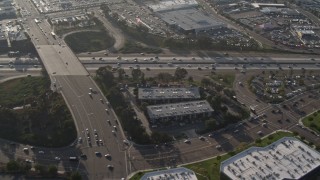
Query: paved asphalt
x=89, y=112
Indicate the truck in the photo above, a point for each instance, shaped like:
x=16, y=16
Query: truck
x=53, y=35
x=252, y=109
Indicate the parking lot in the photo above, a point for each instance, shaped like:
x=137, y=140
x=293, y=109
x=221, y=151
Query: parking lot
x=280, y=23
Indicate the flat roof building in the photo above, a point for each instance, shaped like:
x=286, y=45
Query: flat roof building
x=166, y=95
x=179, y=111
x=190, y=20
x=180, y=173
x=172, y=5
x=287, y=158
x=259, y=5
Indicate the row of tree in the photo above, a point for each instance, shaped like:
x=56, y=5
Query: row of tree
x=129, y=121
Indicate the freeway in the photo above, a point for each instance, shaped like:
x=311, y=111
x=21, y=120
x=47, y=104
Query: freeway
x=87, y=104
x=91, y=117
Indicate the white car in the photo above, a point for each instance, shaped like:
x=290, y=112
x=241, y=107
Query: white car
x=107, y=156
x=41, y=152
x=187, y=141
x=57, y=158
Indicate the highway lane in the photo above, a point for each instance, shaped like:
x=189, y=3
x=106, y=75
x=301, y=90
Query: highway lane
x=73, y=81
x=142, y=157
x=90, y=114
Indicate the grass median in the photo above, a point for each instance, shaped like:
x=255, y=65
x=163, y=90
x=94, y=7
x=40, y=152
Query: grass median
x=89, y=41
x=313, y=121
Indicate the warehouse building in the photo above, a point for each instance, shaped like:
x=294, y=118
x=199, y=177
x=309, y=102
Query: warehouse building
x=287, y=158
x=175, y=173
x=184, y=16
x=190, y=21
x=168, y=95
x=179, y=111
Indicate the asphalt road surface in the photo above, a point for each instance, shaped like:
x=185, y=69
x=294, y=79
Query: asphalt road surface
x=89, y=112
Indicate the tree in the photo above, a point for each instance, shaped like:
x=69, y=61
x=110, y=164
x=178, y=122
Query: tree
x=105, y=75
x=121, y=72
x=41, y=169
x=180, y=73
x=205, y=82
x=190, y=79
x=75, y=176
x=136, y=74
x=13, y=166
x=204, y=42
x=210, y=124
x=165, y=77
x=157, y=137
x=52, y=171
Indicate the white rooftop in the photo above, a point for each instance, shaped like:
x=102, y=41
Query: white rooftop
x=168, y=93
x=257, y=5
x=179, y=109
x=172, y=5
x=171, y=174
x=287, y=158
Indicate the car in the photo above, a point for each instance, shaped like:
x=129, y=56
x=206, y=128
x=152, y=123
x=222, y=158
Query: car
x=80, y=140
x=97, y=153
x=110, y=166
x=83, y=156
x=115, y=127
x=90, y=94
x=187, y=141
x=202, y=138
x=126, y=142
x=218, y=147
x=90, y=89
x=41, y=152
x=57, y=158
x=107, y=156
x=28, y=161
x=113, y=132
x=101, y=100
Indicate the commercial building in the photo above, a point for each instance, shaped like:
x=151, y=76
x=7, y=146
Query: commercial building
x=261, y=5
x=179, y=111
x=171, y=5
x=172, y=174
x=183, y=16
x=168, y=95
x=190, y=21
x=287, y=158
